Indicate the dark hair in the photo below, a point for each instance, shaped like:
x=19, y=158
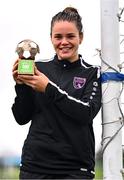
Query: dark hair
x=69, y=14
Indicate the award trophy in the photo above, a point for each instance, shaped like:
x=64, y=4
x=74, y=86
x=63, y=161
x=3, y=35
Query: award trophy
x=26, y=50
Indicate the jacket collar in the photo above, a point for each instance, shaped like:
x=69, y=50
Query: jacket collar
x=67, y=64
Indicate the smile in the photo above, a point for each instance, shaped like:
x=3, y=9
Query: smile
x=65, y=48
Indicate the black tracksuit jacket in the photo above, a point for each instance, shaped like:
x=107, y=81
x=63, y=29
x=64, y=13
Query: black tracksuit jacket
x=61, y=138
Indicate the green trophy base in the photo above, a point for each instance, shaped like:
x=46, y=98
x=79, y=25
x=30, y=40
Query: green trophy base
x=26, y=66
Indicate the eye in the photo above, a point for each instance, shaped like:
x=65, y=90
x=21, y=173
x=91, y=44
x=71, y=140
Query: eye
x=71, y=36
x=58, y=36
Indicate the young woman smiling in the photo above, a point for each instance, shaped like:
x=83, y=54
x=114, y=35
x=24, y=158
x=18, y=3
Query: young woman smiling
x=61, y=100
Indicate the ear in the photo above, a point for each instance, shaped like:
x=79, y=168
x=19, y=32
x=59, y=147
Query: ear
x=81, y=37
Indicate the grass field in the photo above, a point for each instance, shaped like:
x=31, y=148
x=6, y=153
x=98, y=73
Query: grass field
x=99, y=170
x=9, y=173
x=13, y=172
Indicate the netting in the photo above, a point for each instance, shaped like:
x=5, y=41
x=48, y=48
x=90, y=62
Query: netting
x=114, y=74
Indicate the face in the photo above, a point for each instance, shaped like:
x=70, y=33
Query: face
x=66, y=40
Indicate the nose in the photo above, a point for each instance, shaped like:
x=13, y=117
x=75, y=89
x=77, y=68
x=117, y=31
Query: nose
x=64, y=41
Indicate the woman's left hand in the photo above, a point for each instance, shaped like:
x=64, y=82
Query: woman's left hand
x=38, y=81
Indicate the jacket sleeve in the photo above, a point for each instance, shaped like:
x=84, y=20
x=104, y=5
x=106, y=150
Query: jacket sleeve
x=23, y=105
x=83, y=109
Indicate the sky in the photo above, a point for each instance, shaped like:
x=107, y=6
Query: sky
x=22, y=19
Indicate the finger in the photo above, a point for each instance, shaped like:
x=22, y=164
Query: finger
x=15, y=72
x=15, y=66
x=16, y=62
x=26, y=77
x=37, y=72
x=19, y=82
x=30, y=84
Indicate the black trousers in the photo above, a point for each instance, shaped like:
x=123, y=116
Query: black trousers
x=28, y=175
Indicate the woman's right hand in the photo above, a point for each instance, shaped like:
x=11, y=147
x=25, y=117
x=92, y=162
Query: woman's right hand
x=15, y=72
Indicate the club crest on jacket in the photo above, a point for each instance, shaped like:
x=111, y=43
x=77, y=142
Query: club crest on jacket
x=79, y=82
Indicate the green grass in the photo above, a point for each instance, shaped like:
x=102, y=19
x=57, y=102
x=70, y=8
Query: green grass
x=13, y=172
x=99, y=170
x=9, y=173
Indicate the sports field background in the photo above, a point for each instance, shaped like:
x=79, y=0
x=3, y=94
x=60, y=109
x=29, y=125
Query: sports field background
x=12, y=172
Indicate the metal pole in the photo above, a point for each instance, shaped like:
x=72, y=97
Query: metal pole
x=111, y=117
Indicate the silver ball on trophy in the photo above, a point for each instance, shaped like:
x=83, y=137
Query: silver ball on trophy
x=27, y=50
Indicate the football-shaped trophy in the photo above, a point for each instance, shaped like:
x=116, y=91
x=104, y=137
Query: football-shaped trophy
x=26, y=50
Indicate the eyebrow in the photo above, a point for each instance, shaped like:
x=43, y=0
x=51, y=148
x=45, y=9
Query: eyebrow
x=66, y=34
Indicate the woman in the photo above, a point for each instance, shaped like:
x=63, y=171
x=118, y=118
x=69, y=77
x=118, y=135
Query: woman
x=61, y=100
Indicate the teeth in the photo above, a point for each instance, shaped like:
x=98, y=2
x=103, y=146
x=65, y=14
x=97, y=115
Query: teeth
x=65, y=48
